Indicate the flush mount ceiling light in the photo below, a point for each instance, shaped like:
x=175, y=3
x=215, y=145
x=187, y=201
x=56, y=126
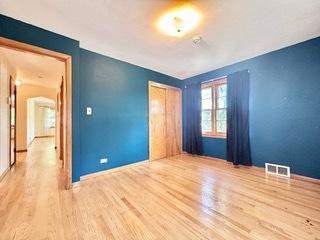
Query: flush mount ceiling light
x=179, y=21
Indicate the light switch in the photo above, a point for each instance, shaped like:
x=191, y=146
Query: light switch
x=89, y=111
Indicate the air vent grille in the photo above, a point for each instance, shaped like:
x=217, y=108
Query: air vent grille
x=271, y=169
x=277, y=169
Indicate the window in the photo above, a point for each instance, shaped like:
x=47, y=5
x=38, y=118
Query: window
x=50, y=118
x=214, y=108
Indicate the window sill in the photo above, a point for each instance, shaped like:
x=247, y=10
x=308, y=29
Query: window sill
x=214, y=136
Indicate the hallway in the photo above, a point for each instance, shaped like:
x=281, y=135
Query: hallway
x=29, y=199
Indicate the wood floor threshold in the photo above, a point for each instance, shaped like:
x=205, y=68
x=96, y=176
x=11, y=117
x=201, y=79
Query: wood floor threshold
x=21, y=150
x=49, y=136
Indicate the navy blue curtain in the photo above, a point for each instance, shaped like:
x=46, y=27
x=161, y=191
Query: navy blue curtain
x=193, y=119
x=238, y=141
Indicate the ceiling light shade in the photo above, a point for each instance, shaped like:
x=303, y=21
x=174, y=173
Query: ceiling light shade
x=179, y=21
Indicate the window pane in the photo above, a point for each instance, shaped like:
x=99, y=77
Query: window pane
x=206, y=126
x=222, y=90
x=206, y=121
x=222, y=115
x=206, y=104
x=222, y=102
x=221, y=126
x=206, y=93
x=206, y=115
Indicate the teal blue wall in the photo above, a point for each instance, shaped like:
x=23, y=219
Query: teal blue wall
x=118, y=127
x=26, y=33
x=284, y=108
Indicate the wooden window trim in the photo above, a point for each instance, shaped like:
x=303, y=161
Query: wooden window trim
x=214, y=86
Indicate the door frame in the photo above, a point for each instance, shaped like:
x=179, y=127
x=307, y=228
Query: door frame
x=67, y=59
x=161, y=85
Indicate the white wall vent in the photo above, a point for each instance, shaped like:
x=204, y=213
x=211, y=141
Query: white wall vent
x=277, y=169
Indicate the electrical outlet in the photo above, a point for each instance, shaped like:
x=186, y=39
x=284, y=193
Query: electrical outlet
x=103, y=160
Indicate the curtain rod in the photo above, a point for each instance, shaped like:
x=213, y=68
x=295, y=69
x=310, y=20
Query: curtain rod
x=214, y=79
x=211, y=80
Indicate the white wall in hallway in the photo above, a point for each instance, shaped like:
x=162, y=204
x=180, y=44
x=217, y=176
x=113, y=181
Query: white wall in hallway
x=24, y=92
x=30, y=120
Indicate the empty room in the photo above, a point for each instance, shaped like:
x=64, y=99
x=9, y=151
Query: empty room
x=160, y=119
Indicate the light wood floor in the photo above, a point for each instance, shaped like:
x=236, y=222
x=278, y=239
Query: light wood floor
x=179, y=198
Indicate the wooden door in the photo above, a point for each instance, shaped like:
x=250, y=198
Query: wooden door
x=165, y=126
x=61, y=119
x=13, y=120
x=173, y=120
x=157, y=122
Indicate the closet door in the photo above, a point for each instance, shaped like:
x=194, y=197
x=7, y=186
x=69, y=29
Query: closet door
x=157, y=122
x=165, y=127
x=173, y=120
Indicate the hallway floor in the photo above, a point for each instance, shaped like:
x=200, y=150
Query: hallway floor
x=176, y=198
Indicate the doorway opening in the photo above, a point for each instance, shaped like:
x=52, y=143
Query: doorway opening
x=41, y=119
x=37, y=103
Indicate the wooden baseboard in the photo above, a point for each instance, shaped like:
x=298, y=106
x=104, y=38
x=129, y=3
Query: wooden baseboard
x=96, y=174
x=21, y=150
x=293, y=176
x=4, y=173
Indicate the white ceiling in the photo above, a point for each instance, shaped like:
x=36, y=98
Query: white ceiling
x=35, y=69
x=233, y=30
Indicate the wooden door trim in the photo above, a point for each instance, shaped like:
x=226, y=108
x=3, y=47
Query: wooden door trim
x=67, y=59
x=161, y=85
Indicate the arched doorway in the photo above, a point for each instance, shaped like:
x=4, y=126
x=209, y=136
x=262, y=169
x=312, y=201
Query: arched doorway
x=41, y=118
